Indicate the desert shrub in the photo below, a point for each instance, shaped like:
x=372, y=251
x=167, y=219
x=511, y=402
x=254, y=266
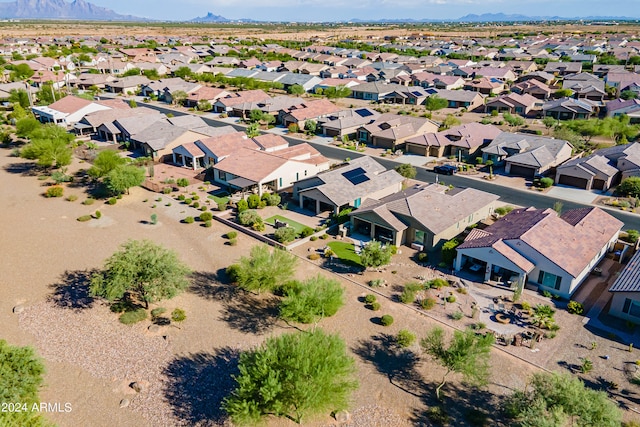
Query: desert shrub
x=428, y=303
x=253, y=201
x=54, y=191
x=632, y=236
x=503, y=210
x=195, y=205
x=451, y=299
x=189, y=220
x=207, y=224
x=112, y=201
x=525, y=305
x=546, y=182
x=462, y=291
x=386, y=320
x=154, y=219
x=233, y=242
x=405, y=338
x=196, y=197
x=271, y=199
x=232, y=235
x=313, y=238
x=478, y=326
x=72, y=198
x=203, y=208
x=178, y=315
x=249, y=217
x=438, y=283
x=156, y=312
x=370, y=299
x=574, y=307
x=188, y=201
x=314, y=256
x=306, y=232
x=166, y=190
x=258, y=226
x=376, y=283
x=408, y=296
x=422, y=257
x=182, y=182
x=97, y=214
x=84, y=218
x=546, y=294
x=206, y=216
x=457, y=315
x=375, y=306
x=285, y=234
x=242, y=205
x=181, y=197
x=134, y=316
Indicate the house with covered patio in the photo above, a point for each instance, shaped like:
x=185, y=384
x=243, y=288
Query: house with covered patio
x=538, y=248
x=347, y=186
x=423, y=216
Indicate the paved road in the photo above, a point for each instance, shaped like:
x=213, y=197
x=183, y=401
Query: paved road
x=509, y=195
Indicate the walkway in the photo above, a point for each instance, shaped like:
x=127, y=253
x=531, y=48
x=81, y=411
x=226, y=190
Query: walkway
x=573, y=194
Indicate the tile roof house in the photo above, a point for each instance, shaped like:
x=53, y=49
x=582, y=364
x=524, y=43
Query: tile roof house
x=347, y=186
x=563, y=68
x=537, y=247
x=569, y=109
x=391, y=130
x=485, y=85
x=630, y=108
x=69, y=110
x=205, y=93
x=532, y=87
x=126, y=85
x=591, y=172
x=514, y=103
x=526, y=155
x=423, y=216
x=307, y=110
x=102, y=122
x=346, y=122
x=275, y=169
x=459, y=141
x=472, y=101
x=626, y=158
x=625, y=302
x=226, y=104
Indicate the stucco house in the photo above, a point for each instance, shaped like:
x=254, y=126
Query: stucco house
x=460, y=141
x=423, y=216
x=71, y=109
x=526, y=155
x=591, y=172
x=625, y=302
x=347, y=186
x=391, y=131
x=538, y=248
x=514, y=103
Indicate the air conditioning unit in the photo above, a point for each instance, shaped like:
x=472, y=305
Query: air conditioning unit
x=417, y=247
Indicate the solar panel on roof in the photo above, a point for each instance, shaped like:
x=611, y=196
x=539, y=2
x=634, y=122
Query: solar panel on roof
x=356, y=176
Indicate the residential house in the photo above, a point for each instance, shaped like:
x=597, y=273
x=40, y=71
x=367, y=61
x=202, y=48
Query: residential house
x=472, y=101
x=309, y=110
x=308, y=82
x=272, y=106
x=274, y=170
x=226, y=104
x=485, y=85
x=158, y=140
x=526, y=155
x=625, y=302
x=374, y=91
x=71, y=109
x=522, y=67
x=345, y=123
x=87, y=81
x=391, y=131
x=585, y=86
x=102, y=124
x=347, y=186
x=536, y=247
x=569, y=109
x=626, y=158
x=593, y=172
x=541, y=76
x=423, y=216
x=630, y=108
x=533, y=87
x=126, y=85
x=205, y=93
x=563, y=68
x=461, y=141
x=514, y=103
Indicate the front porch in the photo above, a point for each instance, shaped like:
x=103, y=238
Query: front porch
x=490, y=273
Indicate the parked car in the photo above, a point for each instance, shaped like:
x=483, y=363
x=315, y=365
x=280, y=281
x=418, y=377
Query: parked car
x=446, y=169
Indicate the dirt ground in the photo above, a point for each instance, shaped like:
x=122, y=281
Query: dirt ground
x=47, y=253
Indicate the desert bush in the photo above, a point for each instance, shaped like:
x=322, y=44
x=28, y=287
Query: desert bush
x=54, y=191
x=242, y=205
x=178, y=315
x=370, y=299
x=324, y=236
x=154, y=219
x=285, y=234
x=97, y=214
x=188, y=201
x=375, y=306
x=156, y=312
x=451, y=299
x=166, y=190
x=428, y=303
x=422, y=257
x=207, y=224
x=438, y=283
x=233, y=242
x=195, y=205
x=546, y=182
x=457, y=315
x=134, y=316
x=112, y=201
x=253, y=201
x=574, y=307
x=258, y=226
x=386, y=320
x=72, y=198
x=232, y=235
x=306, y=232
x=189, y=220
x=181, y=197
x=313, y=238
x=206, y=216
x=405, y=338
x=84, y=218
x=462, y=291
x=408, y=296
x=249, y=218
x=182, y=182
x=376, y=283
x=314, y=256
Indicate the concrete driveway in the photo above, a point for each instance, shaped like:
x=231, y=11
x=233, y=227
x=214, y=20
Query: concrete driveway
x=563, y=192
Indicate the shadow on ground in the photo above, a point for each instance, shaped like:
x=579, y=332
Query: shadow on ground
x=254, y=314
x=198, y=383
x=72, y=290
x=212, y=286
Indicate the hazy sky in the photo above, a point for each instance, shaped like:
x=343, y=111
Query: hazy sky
x=329, y=10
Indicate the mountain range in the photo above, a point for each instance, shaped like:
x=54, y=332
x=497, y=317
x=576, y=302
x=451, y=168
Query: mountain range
x=60, y=9
x=84, y=10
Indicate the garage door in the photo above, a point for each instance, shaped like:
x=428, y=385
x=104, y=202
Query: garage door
x=574, y=181
x=417, y=149
x=522, y=171
x=599, y=184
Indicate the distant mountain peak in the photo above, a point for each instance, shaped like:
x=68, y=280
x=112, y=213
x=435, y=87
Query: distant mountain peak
x=210, y=17
x=60, y=9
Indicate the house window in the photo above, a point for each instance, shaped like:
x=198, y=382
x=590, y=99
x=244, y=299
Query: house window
x=222, y=176
x=549, y=280
x=631, y=307
x=419, y=237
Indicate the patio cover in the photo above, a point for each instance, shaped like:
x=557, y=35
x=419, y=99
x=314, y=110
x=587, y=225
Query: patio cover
x=241, y=182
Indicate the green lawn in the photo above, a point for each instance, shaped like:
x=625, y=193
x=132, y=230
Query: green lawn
x=219, y=199
x=296, y=225
x=346, y=252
